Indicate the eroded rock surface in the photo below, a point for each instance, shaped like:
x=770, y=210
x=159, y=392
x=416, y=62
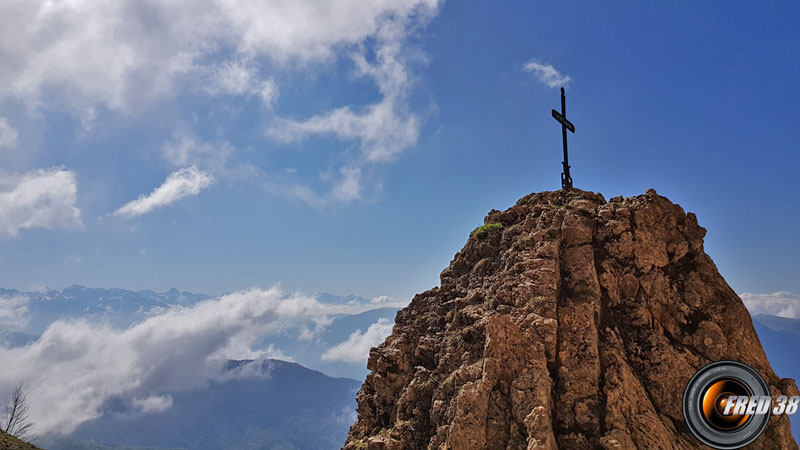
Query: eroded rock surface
x=565, y=322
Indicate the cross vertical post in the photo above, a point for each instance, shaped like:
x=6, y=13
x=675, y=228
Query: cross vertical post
x=566, y=178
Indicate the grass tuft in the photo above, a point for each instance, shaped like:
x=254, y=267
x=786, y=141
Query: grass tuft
x=485, y=230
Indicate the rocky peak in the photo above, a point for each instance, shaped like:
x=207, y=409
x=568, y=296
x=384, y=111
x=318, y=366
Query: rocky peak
x=565, y=322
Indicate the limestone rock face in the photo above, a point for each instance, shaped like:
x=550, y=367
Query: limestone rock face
x=565, y=322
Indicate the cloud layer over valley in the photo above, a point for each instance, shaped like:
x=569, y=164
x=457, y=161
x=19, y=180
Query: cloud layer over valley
x=77, y=365
x=781, y=303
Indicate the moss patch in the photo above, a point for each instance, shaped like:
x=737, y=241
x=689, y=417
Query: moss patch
x=485, y=230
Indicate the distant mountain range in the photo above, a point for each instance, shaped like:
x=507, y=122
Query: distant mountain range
x=15, y=338
x=121, y=307
x=780, y=338
x=283, y=406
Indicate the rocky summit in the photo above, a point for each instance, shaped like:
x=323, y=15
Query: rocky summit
x=565, y=322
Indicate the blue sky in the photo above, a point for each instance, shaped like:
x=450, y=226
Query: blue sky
x=351, y=149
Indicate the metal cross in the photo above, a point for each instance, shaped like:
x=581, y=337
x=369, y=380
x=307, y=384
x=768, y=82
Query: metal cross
x=566, y=179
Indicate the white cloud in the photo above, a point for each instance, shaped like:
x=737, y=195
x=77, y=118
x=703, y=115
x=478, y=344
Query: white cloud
x=185, y=148
x=76, y=366
x=782, y=304
x=42, y=198
x=232, y=77
x=382, y=300
x=345, y=187
x=156, y=403
x=356, y=348
x=383, y=132
x=14, y=312
x=88, y=119
x=186, y=182
x=238, y=78
x=546, y=74
x=348, y=188
x=92, y=56
x=271, y=352
x=118, y=54
x=8, y=135
x=267, y=90
x=383, y=129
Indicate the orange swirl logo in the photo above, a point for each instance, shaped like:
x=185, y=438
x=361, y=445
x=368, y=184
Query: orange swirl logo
x=727, y=405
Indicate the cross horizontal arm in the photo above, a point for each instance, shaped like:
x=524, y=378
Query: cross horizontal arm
x=557, y=115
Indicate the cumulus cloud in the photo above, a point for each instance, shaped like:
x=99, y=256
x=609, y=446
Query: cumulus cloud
x=781, y=303
x=76, y=366
x=347, y=184
x=383, y=129
x=14, y=312
x=42, y=198
x=92, y=57
x=546, y=74
x=115, y=54
x=186, y=182
x=356, y=348
x=8, y=135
